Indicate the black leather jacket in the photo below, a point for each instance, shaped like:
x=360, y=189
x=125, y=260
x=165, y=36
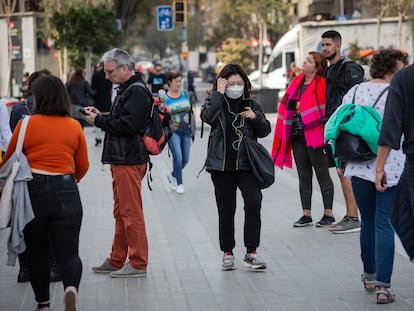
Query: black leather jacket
x=340, y=77
x=212, y=112
x=125, y=124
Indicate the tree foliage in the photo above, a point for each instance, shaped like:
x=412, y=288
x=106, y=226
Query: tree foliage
x=85, y=29
x=236, y=51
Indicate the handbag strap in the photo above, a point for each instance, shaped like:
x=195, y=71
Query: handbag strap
x=380, y=95
x=22, y=133
x=353, y=97
x=378, y=98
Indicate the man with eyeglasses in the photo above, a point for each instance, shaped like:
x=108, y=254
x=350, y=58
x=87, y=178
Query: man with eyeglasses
x=125, y=151
x=157, y=80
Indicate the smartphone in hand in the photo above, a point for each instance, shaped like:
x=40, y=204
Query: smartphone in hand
x=245, y=103
x=83, y=111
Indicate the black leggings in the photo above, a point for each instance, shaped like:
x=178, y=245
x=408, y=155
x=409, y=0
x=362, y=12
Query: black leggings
x=225, y=187
x=307, y=159
x=58, y=216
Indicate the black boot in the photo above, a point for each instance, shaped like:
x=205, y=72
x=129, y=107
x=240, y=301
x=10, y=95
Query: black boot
x=98, y=141
x=23, y=275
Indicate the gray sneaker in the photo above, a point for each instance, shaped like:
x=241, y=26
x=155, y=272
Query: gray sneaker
x=228, y=262
x=253, y=262
x=346, y=225
x=106, y=267
x=128, y=271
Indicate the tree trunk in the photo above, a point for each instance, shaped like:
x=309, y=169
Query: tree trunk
x=88, y=56
x=260, y=60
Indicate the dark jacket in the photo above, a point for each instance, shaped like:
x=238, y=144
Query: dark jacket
x=81, y=94
x=125, y=124
x=399, y=112
x=102, y=88
x=212, y=112
x=19, y=110
x=340, y=77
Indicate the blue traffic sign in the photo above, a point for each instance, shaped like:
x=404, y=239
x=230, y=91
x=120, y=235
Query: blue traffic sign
x=164, y=18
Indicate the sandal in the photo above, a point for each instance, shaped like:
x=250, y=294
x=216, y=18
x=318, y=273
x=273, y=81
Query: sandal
x=369, y=284
x=390, y=297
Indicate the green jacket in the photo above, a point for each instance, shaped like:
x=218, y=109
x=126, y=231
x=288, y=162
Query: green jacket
x=364, y=121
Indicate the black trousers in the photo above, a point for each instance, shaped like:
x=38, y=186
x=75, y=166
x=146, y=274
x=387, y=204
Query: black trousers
x=58, y=216
x=308, y=159
x=225, y=187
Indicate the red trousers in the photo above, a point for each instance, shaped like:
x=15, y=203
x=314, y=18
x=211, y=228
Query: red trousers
x=130, y=239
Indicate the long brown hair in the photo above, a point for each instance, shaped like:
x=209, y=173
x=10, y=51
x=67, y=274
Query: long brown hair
x=76, y=77
x=50, y=96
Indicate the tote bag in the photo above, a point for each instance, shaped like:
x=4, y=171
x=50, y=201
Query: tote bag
x=7, y=175
x=261, y=163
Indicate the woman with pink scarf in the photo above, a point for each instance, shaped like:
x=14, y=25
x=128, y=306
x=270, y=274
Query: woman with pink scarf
x=299, y=129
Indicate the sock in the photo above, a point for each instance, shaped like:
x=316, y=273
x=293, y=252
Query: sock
x=251, y=250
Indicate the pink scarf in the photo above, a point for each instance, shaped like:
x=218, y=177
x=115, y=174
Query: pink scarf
x=312, y=109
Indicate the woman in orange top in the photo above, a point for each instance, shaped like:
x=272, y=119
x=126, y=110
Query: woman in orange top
x=56, y=149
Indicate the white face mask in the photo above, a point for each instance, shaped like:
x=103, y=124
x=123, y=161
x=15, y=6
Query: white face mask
x=234, y=91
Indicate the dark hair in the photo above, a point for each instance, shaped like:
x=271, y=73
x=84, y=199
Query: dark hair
x=332, y=34
x=385, y=62
x=173, y=75
x=76, y=77
x=50, y=96
x=320, y=62
x=35, y=75
x=235, y=69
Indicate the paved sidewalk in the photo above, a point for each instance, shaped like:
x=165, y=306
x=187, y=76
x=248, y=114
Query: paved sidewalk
x=308, y=268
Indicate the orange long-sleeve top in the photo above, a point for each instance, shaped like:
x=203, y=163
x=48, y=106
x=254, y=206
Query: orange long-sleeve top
x=54, y=144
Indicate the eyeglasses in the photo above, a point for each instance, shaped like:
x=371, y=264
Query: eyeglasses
x=109, y=72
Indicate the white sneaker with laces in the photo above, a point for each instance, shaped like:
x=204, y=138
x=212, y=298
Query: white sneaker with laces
x=228, y=262
x=172, y=181
x=180, y=189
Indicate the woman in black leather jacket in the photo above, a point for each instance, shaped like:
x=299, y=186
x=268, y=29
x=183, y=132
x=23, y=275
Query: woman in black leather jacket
x=233, y=115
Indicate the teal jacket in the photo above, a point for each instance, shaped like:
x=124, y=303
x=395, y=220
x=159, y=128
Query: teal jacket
x=364, y=121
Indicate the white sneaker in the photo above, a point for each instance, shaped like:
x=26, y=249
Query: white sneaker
x=172, y=181
x=180, y=189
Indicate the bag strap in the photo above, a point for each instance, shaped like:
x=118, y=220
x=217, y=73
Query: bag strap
x=22, y=133
x=353, y=97
x=380, y=95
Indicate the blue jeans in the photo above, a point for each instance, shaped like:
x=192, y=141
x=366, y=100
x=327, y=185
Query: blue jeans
x=180, y=144
x=377, y=235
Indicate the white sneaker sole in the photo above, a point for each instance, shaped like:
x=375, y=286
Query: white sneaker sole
x=123, y=276
x=345, y=231
x=254, y=267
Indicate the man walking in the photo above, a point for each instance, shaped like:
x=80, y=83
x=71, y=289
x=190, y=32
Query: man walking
x=341, y=75
x=125, y=151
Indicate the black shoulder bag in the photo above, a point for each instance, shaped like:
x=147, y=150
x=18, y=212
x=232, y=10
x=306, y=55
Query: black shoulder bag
x=352, y=148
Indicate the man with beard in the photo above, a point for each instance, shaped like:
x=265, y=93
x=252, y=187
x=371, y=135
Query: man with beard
x=341, y=75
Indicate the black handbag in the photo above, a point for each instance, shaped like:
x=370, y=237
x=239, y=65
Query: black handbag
x=352, y=148
x=261, y=163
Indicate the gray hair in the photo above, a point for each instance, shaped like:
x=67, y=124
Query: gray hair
x=120, y=57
